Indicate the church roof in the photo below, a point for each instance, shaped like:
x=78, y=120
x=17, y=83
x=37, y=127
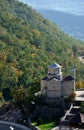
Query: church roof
x=68, y=78
x=45, y=78
x=53, y=78
x=54, y=65
x=48, y=79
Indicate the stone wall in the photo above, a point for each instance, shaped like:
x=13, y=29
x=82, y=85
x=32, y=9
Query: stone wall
x=54, y=88
x=47, y=111
x=52, y=107
x=43, y=87
x=67, y=87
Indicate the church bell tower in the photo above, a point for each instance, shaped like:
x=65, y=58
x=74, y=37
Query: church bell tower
x=54, y=71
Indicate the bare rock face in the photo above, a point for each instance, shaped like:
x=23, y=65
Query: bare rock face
x=10, y=113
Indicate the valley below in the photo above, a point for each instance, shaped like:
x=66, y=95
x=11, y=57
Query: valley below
x=68, y=23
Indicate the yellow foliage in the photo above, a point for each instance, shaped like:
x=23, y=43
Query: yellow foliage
x=36, y=32
x=80, y=84
x=1, y=65
x=18, y=94
x=3, y=57
x=73, y=95
x=0, y=94
x=18, y=72
x=33, y=55
x=3, y=30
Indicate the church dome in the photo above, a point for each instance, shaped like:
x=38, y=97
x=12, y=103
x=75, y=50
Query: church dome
x=54, y=65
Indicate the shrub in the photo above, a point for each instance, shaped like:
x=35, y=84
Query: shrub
x=72, y=96
x=39, y=121
x=82, y=108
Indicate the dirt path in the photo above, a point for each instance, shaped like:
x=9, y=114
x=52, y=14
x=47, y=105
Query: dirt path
x=81, y=59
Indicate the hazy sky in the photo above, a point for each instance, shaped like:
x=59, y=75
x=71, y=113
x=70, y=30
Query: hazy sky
x=68, y=6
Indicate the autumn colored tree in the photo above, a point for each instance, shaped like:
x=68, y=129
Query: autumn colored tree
x=72, y=97
x=18, y=94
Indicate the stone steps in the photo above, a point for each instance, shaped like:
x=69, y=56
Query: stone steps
x=69, y=117
x=75, y=110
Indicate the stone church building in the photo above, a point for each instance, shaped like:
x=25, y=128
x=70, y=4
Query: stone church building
x=54, y=85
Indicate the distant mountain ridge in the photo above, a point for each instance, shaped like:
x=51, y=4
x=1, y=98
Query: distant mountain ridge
x=68, y=6
x=70, y=24
x=61, y=12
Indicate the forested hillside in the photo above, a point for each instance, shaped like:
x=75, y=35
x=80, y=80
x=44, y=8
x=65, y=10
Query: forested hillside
x=29, y=43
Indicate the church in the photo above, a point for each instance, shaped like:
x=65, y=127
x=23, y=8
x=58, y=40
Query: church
x=54, y=85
